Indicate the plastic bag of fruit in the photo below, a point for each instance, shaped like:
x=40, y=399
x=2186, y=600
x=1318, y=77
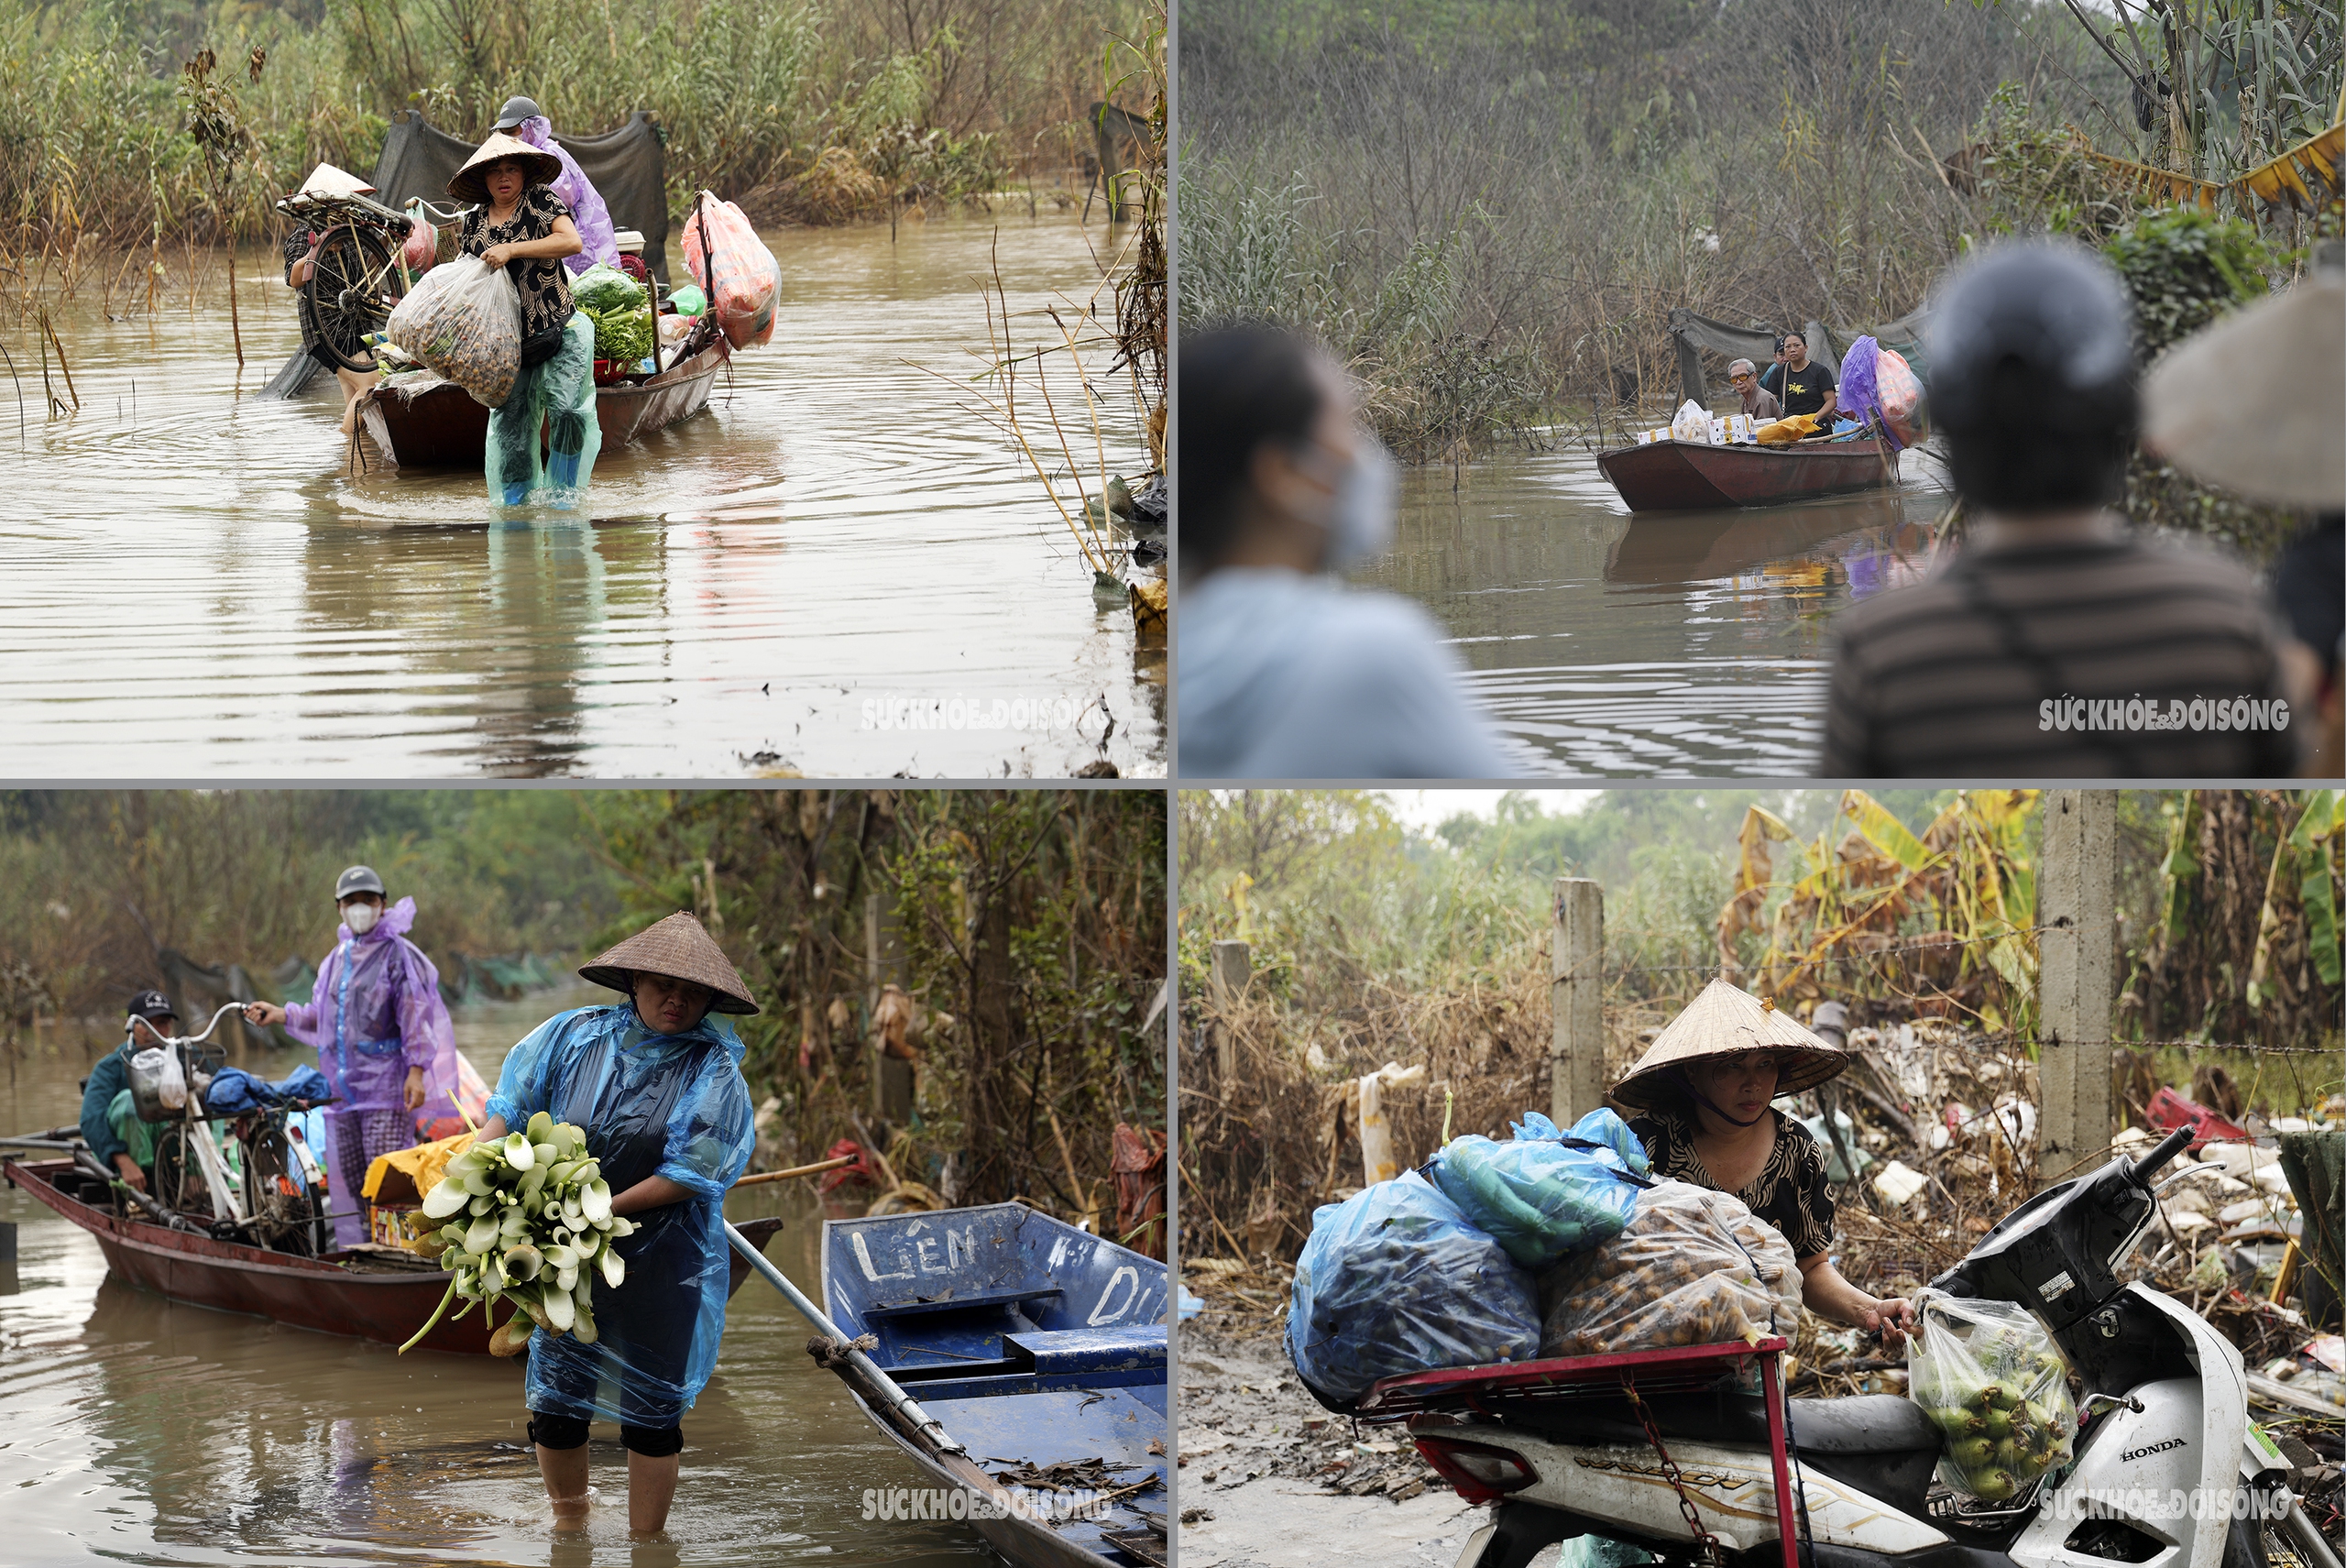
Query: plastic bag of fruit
x=1991, y=1377
x=1692, y=1266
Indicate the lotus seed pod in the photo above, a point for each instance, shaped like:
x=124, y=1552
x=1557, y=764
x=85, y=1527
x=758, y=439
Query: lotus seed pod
x=1994, y=1485
x=1972, y=1453
x=1997, y=1423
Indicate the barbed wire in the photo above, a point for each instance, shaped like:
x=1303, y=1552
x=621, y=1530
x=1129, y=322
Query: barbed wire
x=1935, y=944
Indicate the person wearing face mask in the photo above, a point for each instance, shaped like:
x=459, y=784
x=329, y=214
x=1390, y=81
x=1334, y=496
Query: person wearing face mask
x=1702, y=1098
x=654, y=1081
x=383, y=1039
x=1284, y=670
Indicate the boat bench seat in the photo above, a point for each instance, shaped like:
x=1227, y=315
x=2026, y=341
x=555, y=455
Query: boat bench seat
x=975, y=1302
x=1120, y=1347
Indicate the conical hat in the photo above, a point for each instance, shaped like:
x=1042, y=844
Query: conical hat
x=325, y=179
x=1726, y=1021
x=542, y=168
x=2253, y=403
x=678, y=948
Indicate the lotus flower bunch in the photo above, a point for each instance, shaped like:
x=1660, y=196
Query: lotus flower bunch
x=526, y=1217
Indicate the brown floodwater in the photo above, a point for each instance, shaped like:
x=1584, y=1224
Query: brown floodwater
x=133, y=1429
x=1659, y=644
x=199, y=590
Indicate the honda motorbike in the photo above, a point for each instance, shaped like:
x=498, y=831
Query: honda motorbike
x=2168, y=1472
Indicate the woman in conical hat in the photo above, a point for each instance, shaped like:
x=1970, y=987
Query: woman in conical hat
x=521, y=225
x=655, y=1082
x=1701, y=1097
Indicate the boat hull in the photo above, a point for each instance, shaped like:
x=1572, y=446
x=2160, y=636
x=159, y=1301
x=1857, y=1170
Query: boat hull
x=1690, y=476
x=304, y=1292
x=445, y=428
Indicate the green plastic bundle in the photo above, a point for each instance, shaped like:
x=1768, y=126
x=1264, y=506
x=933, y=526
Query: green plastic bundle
x=528, y=1220
x=605, y=289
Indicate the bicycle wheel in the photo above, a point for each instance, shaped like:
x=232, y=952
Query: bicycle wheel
x=351, y=290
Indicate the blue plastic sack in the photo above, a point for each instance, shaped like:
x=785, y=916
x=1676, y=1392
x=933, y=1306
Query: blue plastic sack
x=1546, y=1194
x=234, y=1090
x=1394, y=1280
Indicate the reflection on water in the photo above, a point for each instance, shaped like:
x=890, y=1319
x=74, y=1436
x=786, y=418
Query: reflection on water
x=133, y=1429
x=1662, y=644
x=201, y=588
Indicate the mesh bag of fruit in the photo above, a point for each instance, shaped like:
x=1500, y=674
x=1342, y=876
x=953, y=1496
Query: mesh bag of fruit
x=1692, y=1266
x=1394, y=1280
x=1991, y=1377
x=464, y=320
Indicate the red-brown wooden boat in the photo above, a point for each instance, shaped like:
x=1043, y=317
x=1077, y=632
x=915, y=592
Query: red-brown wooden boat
x=445, y=428
x=1685, y=475
x=373, y=1294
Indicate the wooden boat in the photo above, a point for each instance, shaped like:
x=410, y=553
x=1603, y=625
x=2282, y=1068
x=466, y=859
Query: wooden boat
x=1040, y=1348
x=443, y=428
x=1682, y=475
x=377, y=1293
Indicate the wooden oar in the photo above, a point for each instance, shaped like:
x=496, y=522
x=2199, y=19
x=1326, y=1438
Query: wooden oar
x=814, y=1169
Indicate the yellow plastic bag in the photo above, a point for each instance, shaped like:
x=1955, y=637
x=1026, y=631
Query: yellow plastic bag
x=1786, y=431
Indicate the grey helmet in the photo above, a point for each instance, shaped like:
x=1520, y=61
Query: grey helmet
x=358, y=879
x=516, y=110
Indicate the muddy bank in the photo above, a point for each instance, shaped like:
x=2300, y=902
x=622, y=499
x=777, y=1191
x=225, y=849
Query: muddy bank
x=1269, y=1477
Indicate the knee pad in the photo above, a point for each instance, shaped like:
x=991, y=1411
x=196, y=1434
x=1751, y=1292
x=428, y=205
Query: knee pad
x=558, y=1432
x=653, y=1442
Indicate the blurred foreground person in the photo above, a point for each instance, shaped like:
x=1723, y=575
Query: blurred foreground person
x=1286, y=671
x=2057, y=645
x=2257, y=403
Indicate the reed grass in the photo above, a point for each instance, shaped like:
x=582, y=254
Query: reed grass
x=101, y=180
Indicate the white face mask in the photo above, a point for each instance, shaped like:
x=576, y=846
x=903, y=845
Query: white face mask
x=1361, y=523
x=360, y=916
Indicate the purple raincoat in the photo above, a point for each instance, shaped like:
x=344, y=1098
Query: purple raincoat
x=586, y=203
x=375, y=1013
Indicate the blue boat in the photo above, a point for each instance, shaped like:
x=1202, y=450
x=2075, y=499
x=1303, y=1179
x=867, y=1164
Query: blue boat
x=1037, y=1347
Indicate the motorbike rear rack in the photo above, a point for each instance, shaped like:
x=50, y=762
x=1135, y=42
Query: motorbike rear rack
x=1515, y=1388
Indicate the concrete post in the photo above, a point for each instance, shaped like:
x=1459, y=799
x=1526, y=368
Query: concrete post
x=2077, y=979
x=1576, y=996
x=1232, y=965
x=893, y=1086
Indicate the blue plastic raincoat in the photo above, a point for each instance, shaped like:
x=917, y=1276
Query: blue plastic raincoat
x=671, y=1105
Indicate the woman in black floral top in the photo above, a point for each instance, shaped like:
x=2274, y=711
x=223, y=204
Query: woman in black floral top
x=522, y=226
x=1702, y=1096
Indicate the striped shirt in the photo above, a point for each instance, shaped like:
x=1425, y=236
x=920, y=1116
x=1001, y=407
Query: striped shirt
x=2118, y=658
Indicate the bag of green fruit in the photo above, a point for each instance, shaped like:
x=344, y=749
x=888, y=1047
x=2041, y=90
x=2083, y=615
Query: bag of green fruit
x=1991, y=1377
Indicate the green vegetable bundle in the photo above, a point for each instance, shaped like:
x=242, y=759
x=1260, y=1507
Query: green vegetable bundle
x=622, y=335
x=528, y=1220
x=1989, y=1376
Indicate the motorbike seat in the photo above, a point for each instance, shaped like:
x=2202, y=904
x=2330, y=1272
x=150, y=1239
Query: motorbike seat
x=1862, y=1424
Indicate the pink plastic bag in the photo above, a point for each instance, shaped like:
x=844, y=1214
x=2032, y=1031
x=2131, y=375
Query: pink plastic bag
x=1900, y=392
x=740, y=274
x=422, y=247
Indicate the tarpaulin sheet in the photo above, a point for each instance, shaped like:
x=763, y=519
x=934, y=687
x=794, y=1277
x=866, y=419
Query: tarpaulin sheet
x=629, y=167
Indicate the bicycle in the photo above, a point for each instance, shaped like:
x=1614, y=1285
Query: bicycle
x=358, y=274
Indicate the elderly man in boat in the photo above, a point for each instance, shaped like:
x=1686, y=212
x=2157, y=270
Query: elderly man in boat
x=110, y=1124
x=1758, y=400
x=383, y=1037
x=654, y=1081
